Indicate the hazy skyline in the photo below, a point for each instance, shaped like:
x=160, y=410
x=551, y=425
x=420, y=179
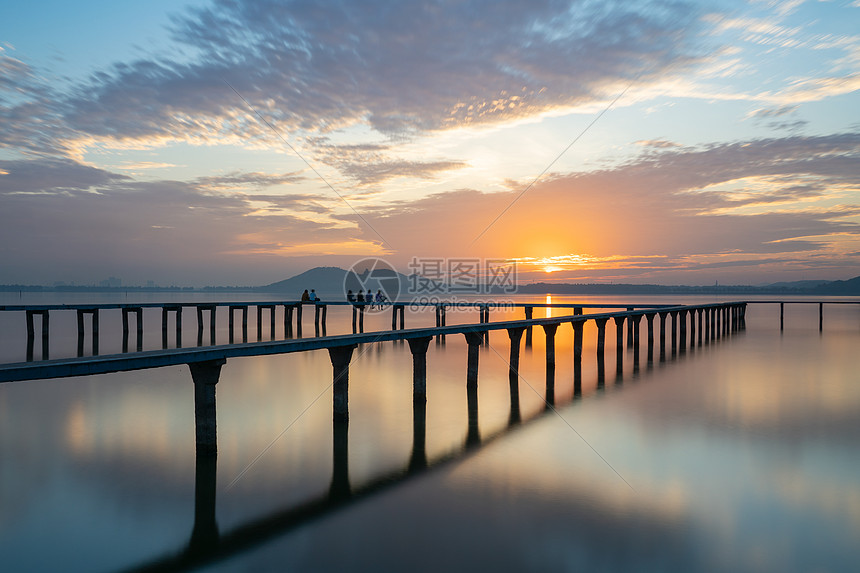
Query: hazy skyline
x=241, y=143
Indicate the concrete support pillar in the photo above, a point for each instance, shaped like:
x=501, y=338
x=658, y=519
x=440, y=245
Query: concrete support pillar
x=619, y=343
x=317, y=312
x=95, y=314
x=340, y=357
x=165, y=312
x=441, y=320
x=782, y=316
x=674, y=327
x=320, y=314
x=529, y=312
x=484, y=319
x=550, y=330
x=516, y=335
x=707, y=321
x=635, y=319
x=299, y=307
x=418, y=347
x=138, y=312
x=200, y=309
x=714, y=323
x=601, y=336
x=619, y=332
x=601, y=347
x=205, y=376
x=700, y=312
x=718, y=327
x=288, y=320
x=692, y=327
x=473, y=341
x=630, y=335
x=663, y=316
x=244, y=308
x=398, y=309
x=31, y=333
x=820, y=317
x=260, y=309
x=578, y=327
x=682, y=330
x=650, y=319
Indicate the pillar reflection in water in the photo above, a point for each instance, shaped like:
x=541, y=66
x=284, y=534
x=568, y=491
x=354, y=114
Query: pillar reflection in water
x=340, y=487
x=550, y=331
x=204, y=534
x=473, y=342
x=515, y=335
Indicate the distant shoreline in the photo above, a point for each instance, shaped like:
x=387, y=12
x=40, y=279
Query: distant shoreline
x=833, y=288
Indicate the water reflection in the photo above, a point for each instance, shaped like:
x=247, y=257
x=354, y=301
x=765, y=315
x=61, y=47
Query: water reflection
x=208, y=544
x=735, y=449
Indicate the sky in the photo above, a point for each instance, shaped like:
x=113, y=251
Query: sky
x=243, y=142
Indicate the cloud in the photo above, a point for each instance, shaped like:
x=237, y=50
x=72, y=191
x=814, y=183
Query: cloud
x=792, y=197
x=771, y=112
x=400, y=68
x=155, y=229
x=243, y=179
x=657, y=143
x=51, y=176
x=780, y=202
x=374, y=163
x=145, y=165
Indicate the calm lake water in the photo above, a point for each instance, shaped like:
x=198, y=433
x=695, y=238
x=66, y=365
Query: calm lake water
x=741, y=455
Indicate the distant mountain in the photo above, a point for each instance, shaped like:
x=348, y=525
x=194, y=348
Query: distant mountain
x=334, y=282
x=808, y=284
x=851, y=287
x=325, y=280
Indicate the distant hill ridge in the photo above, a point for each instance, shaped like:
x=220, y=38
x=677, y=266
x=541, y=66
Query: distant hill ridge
x=331, y=281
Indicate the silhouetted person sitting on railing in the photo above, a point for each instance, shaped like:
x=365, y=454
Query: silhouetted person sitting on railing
x=380, y=298
x=360, y=297
x=350, y=297
x=305, y=296
x=313, y=296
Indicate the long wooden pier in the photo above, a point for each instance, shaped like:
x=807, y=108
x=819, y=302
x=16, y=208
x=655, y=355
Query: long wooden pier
x=710, y=321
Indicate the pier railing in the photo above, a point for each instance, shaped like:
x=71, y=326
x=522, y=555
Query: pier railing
x=292, y=313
